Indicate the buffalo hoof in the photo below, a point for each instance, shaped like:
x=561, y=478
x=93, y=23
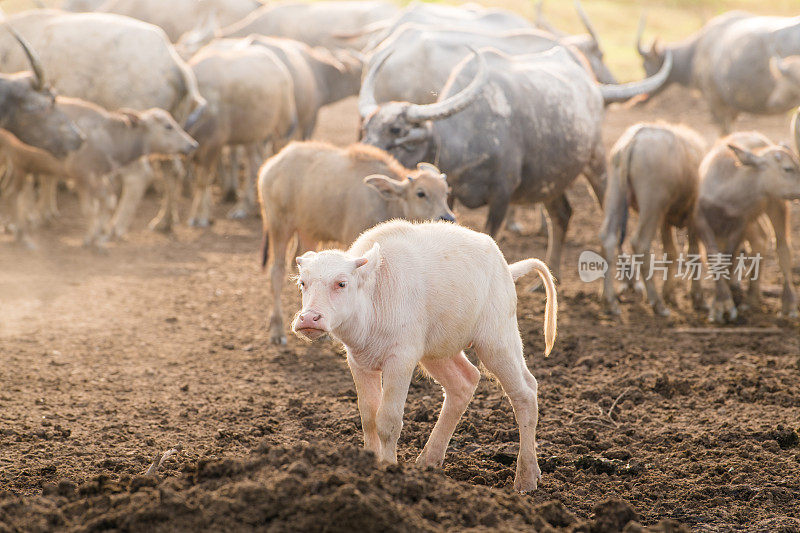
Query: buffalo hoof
x=279, y=339
x=791, y=314
x=161, y=224
x=238, y=213
x=514, y=227
x=719, y=311
x=698, y=303
x=199, y=222
x=612, y=307
x=425, y=461
x=661, y=310
x=527, y=483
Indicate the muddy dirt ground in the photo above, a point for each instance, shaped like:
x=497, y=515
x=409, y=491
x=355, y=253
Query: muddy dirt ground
x=108, y=360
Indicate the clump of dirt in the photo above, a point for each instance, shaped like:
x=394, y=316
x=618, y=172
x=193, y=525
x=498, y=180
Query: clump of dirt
x=321, y=487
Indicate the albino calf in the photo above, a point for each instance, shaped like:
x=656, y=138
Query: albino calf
x=743, y=177
x=323, y=193
x=419, y=294
x=654, y=169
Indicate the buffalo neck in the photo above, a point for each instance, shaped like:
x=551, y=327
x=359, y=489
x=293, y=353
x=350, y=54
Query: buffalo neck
x=128, y=144
x=682, y=62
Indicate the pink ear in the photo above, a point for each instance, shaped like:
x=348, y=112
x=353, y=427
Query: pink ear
x=361, y=261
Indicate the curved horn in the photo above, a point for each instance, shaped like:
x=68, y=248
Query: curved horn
x=457, y=102
x=796, y=130
x=366, y=97
x=194, y=117
x=585, y=19
x=544, y=24
x=33, y=58
x=429, y=167
x=626, y=91
x=640, y=32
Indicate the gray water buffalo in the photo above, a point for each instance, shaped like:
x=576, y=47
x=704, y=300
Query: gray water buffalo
x=315, y=24
x=320, y=76
x=741, y=63
x=442, y=16
x=250, y=97
x=182, y=15
x=28, y=111
x=431, y=54
x=323, y=193
x=506, y=130
x=113, y=140
x=743, y=177
x=653, y=169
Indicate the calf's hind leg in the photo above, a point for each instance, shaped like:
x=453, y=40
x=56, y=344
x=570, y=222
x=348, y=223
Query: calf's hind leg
x=503, y=357
x=278, y=241
x=459, y=378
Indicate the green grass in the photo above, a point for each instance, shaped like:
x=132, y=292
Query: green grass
x=615, y=20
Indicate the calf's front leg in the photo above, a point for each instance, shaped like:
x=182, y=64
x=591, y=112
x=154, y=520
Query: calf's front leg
x=397, y=373
x=368, y=389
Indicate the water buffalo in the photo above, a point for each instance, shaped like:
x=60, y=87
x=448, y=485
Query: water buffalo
x=250, y=97
x=739, y=62
x=654, y=170
x=431, y=53
x=182, y=15
x=391, y=299
x=322, y=193
x=506, y=130
x=743, y=177
x=315, y=24
x=27, y=109
x=442, y=16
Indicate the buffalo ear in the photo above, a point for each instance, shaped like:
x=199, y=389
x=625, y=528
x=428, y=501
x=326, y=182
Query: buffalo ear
x=368, y=262
x=745, y=157
x=305, y=257
x=390, y=189
x=133, y=117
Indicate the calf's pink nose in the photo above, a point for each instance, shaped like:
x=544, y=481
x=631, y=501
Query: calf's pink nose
x=308, y=319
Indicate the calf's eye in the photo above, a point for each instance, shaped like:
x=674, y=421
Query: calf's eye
x=342, y=284
x=394, y=130
x=420, y=194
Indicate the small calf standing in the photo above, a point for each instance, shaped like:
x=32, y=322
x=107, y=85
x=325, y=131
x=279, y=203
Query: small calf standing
x=419, y=294
x=654, y=170
x=743, y=177
x=323, y=193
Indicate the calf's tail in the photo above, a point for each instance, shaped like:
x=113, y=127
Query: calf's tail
x=521, y=268
x=616, y=204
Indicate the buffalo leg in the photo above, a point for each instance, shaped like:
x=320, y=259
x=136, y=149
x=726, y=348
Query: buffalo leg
x=459, y=379
x=778, y=212
x=498, y=207
x=397, y=373
x=696, y=290
x=368, y=390
x=502, y=356
x=559, y=212
x=757, y=236
x=278, y=242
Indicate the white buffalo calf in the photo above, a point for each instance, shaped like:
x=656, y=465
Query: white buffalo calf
x=418, y=294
